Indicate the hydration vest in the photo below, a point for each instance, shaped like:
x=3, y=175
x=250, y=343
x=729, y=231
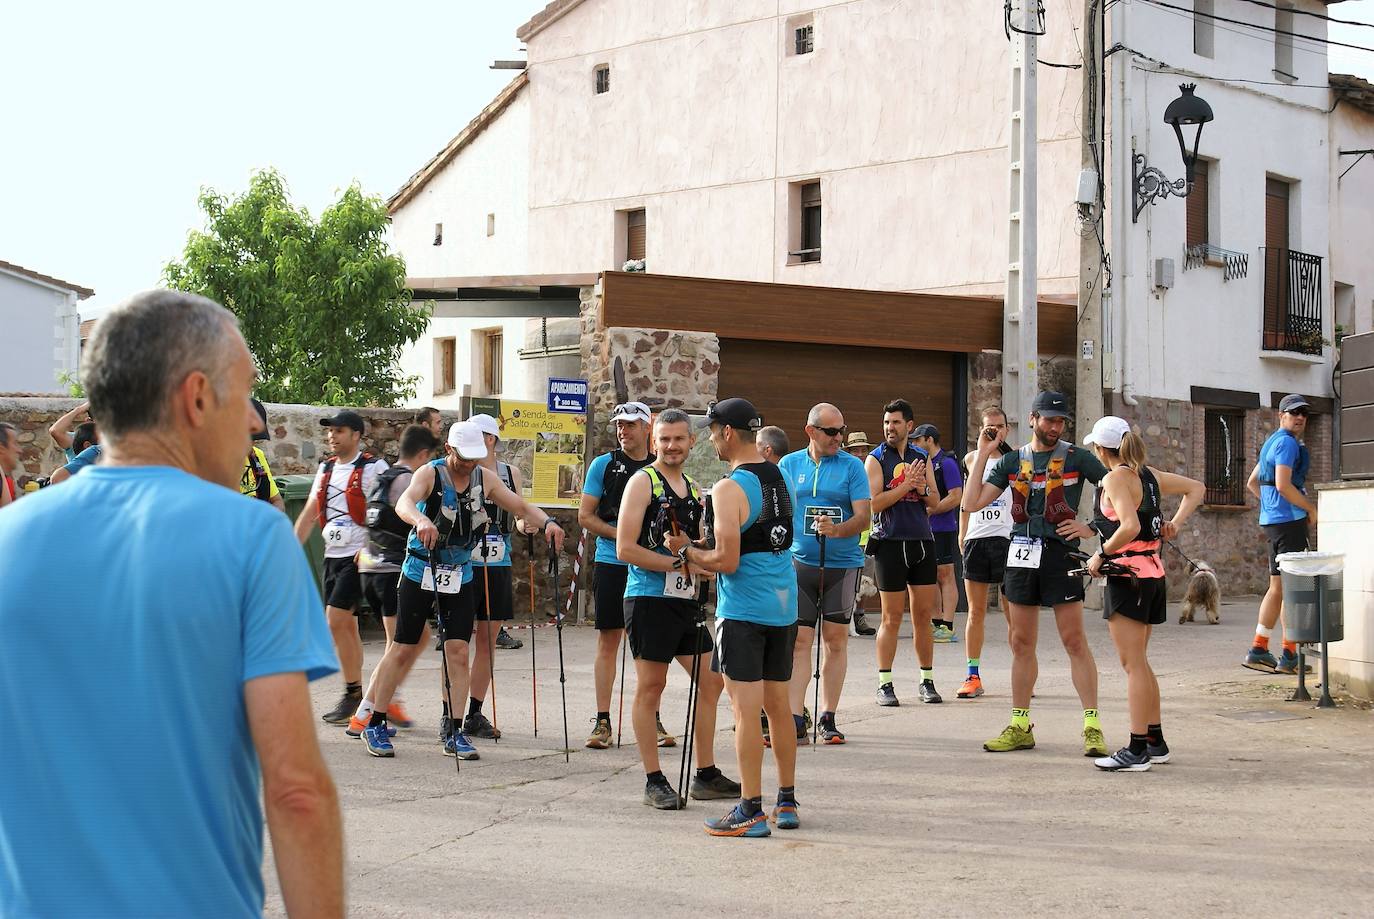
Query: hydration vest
x=666, y=508
x=1304, y=460
x=353, y=492
x=386, y=531
x=262, y=487
x=613, y=481
x=1057, y=508
x=772, y=530
x=1149, y=512
x=502, y=519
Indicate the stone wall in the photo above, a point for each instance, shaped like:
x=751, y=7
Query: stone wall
x=985, y=387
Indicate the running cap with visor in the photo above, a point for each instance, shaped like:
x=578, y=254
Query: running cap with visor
x=1108, y=432
x=732, y=413
x=632, y=411
x=1050, y=404
x=262, y=416
x=1291, y=402
x=926, y=430
x=345, y=419
x=486, y=424
x=466, y=438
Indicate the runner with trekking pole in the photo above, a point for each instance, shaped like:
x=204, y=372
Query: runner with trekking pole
x=562, y=674
x=534, y=670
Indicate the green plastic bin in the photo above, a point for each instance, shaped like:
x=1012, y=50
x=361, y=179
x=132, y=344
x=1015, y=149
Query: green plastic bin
x=295, y=491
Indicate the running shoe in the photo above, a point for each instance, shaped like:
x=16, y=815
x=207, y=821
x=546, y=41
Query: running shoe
x=803, y=724
x=506, y=642
x=1288, y=663
x=737, y=823
x=943, y=634
x=1261, y=660
x=660, y=795
x=928, y=694
x=830, y=734
x=1011, y=738
x=972, y=687
x=348, y=704
x=397, y=715
x=861, y=626
x=458, y=745
x=445, y=728
x=718, y=787
x=785, y=813
x=1158, y=753
x=1094, y=744
x=477, y=725
x=1124, y=760
x=357, y=725
x=887, y=696
x=664, y=738
x=378, y=740
x=600, y=738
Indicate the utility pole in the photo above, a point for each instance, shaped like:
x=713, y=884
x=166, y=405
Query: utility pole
x=1020, y=347
x=1090, y=344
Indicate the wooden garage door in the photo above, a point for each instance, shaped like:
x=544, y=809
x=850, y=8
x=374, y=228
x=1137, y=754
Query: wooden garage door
x=784, y=380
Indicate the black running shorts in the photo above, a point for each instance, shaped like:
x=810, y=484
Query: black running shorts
x=415, y=607
x=1050, y=584
x=342, y=586
x=747, y=652
x=502, y=595
x=1285, y=537
x=946, y=547
x=380, y=590
x=1145, y=601
x=662, y=629
x=608, y=590
x=985, y=559
x=904, y=563
x=841, y=592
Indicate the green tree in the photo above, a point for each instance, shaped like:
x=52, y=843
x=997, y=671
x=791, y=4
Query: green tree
x=323, y=305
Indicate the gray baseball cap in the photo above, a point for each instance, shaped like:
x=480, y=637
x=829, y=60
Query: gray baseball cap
x=1292, y=401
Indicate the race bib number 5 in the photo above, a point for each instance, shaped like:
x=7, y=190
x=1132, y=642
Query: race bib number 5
x=495, y=551
x=335, y=534
x=449, y=579
x=1024, y=552
x=679, y=585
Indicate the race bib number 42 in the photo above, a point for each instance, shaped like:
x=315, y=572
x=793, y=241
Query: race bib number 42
x=448, y=578
x=1024, y=552
x=679, y=585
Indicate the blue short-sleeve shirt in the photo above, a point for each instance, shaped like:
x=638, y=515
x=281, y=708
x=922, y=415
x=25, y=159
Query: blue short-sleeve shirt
x=1281, y=449
x=830, y=487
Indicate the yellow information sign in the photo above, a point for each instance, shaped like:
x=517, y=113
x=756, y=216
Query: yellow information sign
x=547, y=447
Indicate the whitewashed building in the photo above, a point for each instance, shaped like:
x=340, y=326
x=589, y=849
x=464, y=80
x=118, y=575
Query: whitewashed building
x=41, y=340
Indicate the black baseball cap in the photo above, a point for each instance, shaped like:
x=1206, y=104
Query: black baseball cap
x=345, y=419
x=733, y=413
x=1292, y=402
x=926, y=430
x=262, y=414
x=1050, y=404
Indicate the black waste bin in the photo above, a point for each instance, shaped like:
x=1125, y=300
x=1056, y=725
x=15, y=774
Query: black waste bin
x=1310, y=579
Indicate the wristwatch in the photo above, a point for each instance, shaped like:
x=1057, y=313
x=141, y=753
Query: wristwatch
x=682, y=553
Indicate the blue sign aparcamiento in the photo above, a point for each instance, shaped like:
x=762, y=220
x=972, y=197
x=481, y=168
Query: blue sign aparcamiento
x=569, y=396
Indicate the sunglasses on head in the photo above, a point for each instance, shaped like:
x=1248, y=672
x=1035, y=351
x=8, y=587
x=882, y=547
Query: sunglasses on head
x=831, y=432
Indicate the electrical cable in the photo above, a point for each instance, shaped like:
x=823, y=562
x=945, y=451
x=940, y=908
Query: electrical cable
x=1250, y=25
x=1297, y=12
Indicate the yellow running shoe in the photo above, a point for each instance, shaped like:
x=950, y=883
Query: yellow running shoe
x=1011, y=738
x=1094, y=744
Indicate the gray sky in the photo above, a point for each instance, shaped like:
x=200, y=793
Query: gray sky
x=117, y=113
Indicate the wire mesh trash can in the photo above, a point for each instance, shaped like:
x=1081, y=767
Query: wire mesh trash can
x=1313, y=609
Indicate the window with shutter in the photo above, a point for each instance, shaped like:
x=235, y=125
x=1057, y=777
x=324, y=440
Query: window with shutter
x=1198, y=215
x=635, y=229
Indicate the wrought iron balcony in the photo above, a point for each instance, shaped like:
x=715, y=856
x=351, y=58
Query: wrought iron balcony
x=1236, y=264
x=1292, y=301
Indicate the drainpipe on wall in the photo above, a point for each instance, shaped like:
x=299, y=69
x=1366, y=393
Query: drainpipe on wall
x=1123, y=195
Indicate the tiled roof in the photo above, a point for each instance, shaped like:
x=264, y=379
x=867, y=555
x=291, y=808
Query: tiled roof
x=81, y=292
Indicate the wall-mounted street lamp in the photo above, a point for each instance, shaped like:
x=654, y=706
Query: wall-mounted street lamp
x=1150, y=183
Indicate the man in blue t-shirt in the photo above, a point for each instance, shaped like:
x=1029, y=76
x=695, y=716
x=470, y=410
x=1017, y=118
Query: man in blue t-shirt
x=756, y=606
x=833, y=502
x=601, y=494
x=194, y=603
x=944, y=526
x=1279, y=480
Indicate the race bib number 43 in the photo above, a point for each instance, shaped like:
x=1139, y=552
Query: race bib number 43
x=1024, y=552
x=679, y=585
x=449, y=579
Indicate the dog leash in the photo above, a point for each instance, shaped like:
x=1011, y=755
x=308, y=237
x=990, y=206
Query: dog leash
x=1191, y=564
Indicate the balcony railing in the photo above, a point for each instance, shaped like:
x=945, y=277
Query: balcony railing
x=1292, y=301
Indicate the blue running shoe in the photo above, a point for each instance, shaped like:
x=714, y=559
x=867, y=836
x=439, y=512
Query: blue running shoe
x=378, y=740
x=785, y=813
x=736, y=823
x=1288, y=663
x=1260, y=660
x=458, y=745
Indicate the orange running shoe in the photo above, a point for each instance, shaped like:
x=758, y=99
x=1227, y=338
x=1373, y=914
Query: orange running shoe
x=972, y=688
x=397, y=716
x=356, y=726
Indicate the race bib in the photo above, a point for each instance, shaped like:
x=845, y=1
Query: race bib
x=679, y=585
x=812, y=513
x=335, y=534
x=1024, y=552
x=450, y=579
x=495, y=550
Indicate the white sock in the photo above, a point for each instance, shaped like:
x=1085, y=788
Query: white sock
x=1262, y=632
x=365, y=710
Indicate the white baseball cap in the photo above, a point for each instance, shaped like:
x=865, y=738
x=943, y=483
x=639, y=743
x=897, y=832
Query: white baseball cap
x=632, y=411
x=1108, y=432
x=486, y=424
x=466, y=438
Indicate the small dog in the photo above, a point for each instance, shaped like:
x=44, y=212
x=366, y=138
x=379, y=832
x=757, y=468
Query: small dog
x=1203, y=591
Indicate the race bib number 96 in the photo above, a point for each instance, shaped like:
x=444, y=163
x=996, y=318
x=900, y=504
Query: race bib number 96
x=1024, y=552
x=448, y=578
x=679, y=585
x=335, y=534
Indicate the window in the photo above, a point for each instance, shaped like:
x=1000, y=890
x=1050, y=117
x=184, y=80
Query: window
x=634, y=235
x=1224, y=446
x=438, y=234
x=804, y=39
x=1283, y=40
x=491, y=362
x=603, y=79
x=808, y=221
x=445, y=365
x=1204, y=27
x=1198, y=211
x=491, y=224
x=799, y=36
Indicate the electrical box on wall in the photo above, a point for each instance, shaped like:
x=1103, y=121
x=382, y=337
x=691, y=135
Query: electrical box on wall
x=1163, y=273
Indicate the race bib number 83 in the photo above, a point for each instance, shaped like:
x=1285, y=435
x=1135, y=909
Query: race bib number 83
x=679, y=585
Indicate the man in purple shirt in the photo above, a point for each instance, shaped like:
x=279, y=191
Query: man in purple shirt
x=944, y=525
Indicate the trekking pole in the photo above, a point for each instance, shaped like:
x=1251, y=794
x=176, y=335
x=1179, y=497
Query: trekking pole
x=443, y=655
x=820, y=623
x=562, y=676
x=491, y=643
x=693, y=691
x=620, y=718
x=534, y=671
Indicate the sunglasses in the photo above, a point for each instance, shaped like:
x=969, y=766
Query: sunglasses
x=831, y=432
x=1300, y=412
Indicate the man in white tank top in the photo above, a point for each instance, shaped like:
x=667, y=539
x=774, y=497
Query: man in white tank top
x=983, y=540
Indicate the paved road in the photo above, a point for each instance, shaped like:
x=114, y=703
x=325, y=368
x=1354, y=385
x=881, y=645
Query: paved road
x=1254, y=815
